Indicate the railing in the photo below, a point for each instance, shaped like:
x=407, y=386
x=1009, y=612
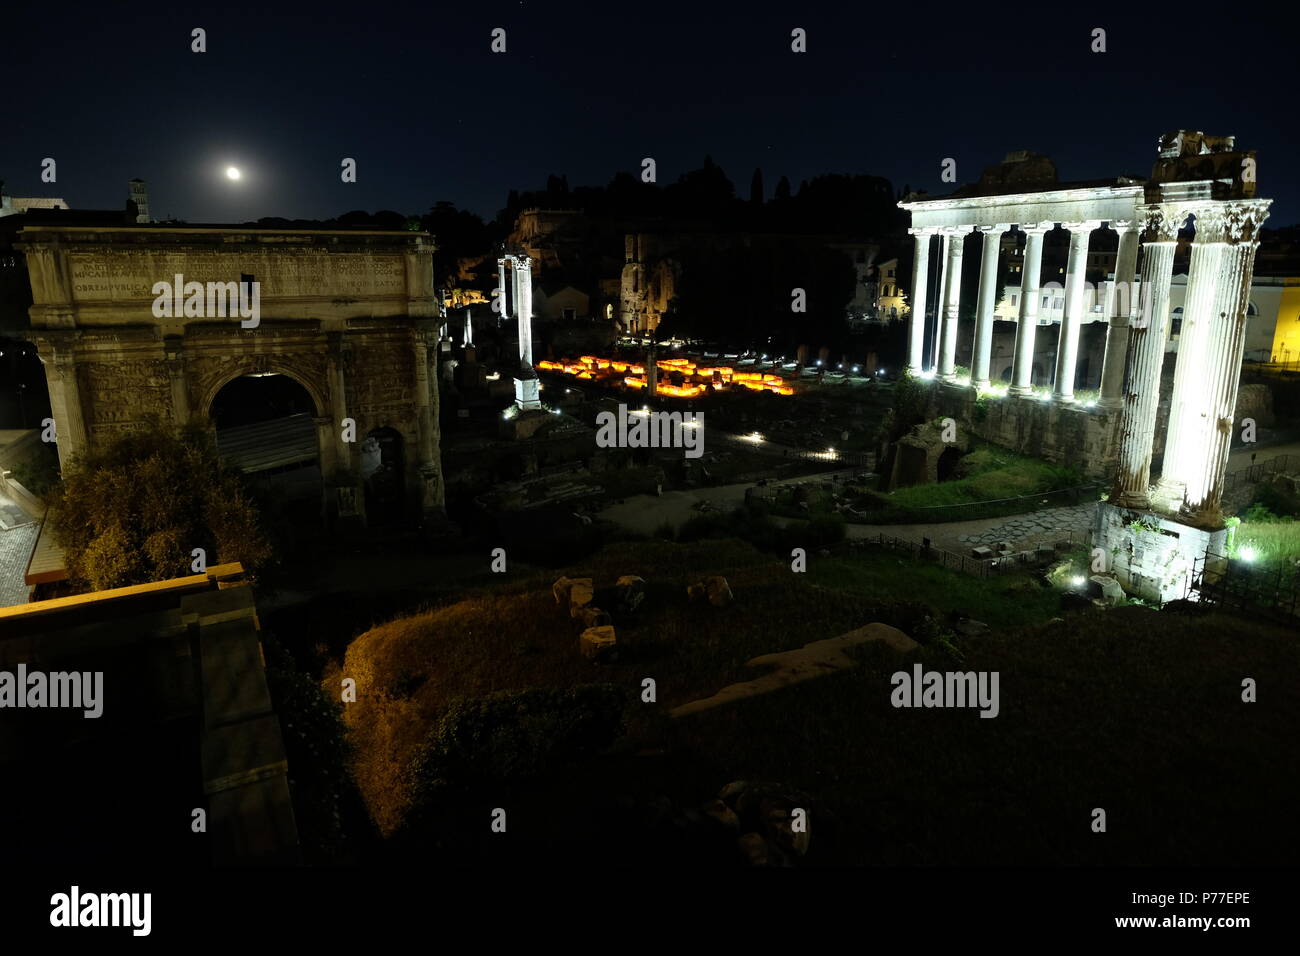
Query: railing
x=1231, y=585
x=1257, y=473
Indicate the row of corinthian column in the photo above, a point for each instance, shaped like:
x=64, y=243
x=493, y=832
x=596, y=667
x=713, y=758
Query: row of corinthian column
x=952, y=242
x=1210, y=349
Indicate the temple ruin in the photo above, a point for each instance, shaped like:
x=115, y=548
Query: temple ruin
x=1152, y=535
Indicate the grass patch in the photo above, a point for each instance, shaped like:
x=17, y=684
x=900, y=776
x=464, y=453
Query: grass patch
x=988, y=473
x=1002, y=601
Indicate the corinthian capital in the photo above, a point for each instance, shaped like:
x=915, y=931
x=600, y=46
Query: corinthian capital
x=1211, y=222
x=1161, y=222
x=1242, y=220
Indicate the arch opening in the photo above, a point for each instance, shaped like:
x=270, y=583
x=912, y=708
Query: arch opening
x=383, y=468
x=264, y=427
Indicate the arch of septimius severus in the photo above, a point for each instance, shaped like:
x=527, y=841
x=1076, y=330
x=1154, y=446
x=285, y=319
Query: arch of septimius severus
x=1152, y=532
x=349, y=315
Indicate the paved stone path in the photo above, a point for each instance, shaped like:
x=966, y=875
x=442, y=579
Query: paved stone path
x=1036, y=526
x=15, y=548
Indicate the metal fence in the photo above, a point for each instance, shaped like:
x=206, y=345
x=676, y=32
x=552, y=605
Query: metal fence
x=1257, y=473
x=1231, y=585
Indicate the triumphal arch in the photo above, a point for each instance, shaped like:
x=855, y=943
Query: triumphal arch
x=350, y=315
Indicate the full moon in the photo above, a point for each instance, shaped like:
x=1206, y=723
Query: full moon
x=232, y=172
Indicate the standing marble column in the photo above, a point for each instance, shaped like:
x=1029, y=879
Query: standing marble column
x=426, y=388
x=1203, y=496
x=920, y=279
x=524, y=308
x=1067, y=346
x=1027, y=325
x=527, y=388
x=1146, y=356
x=982, y=348
x=501, y=292
x=1188, y=406
x=945, y=240
x=952, y=304
x=1119, y=310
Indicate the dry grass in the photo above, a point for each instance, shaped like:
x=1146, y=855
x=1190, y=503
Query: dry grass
x=410, y=670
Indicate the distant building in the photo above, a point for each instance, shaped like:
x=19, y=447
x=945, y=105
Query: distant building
x=891, y=302
x=1272, y=318
x=139, y=194
x=15, y=205
x=559, y=300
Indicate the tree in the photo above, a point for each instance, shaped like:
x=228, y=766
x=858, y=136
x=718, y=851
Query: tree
x=756, y=188
x=135, y=511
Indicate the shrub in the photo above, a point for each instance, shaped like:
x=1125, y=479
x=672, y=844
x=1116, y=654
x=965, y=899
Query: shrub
x=134, y=511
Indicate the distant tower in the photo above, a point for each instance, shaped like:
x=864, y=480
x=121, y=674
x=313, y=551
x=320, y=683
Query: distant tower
x=140, y=196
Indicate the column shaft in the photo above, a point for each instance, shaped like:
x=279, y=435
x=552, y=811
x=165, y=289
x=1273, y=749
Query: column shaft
x=1067, y=346
x=945, y=240
x=524, y=306
x=1204, y=490
x=1119, y=309
x=952, y=304
x=982, y=347
x=65, y=407
x=1027, y=326
x=920, y=277
x=1145, y=360
x=1189, y=402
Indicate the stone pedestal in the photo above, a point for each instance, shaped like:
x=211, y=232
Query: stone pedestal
x=1152, y=556
x=527, y=394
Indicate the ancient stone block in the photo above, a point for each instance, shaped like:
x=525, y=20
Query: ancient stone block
x=580, y=595
x=599, y=643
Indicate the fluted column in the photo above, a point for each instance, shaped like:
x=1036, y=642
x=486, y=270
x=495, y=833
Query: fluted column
x=1188, y=406
x=1222, y=376
x=1146, y=356
x=1119, y=309
x=952, y=304
x=1027, y=326
x=1067, y=346
x=920, y=279
x=985, y=304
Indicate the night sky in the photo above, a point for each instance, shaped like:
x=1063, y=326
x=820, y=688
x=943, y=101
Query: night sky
x=429, y=113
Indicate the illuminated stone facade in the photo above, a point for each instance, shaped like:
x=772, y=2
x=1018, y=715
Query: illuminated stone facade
x=349, y=315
